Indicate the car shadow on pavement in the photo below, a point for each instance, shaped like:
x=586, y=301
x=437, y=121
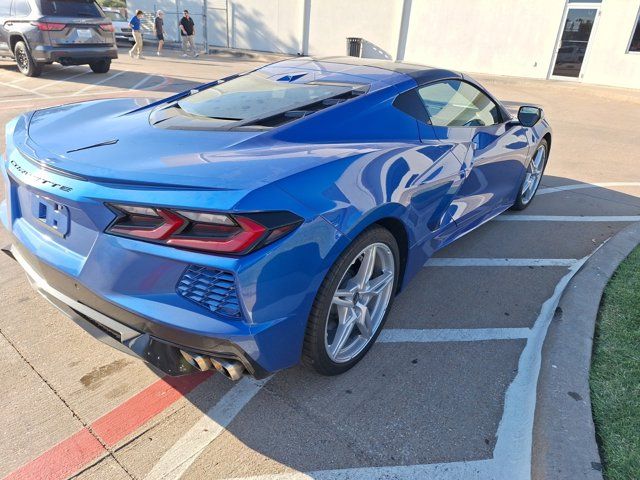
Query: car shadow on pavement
x=416, y=402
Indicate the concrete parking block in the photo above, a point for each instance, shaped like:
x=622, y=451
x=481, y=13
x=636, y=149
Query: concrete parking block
x=404, y=404
x=474, y=297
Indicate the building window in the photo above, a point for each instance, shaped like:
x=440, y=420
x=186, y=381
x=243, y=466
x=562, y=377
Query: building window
x=634, y=46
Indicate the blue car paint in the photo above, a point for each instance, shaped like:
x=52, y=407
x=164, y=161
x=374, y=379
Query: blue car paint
x=341, y=170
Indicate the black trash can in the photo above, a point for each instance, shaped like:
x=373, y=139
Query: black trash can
x=354, y=46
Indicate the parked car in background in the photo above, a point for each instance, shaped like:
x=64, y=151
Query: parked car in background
x=121, y=27
x=70, y=32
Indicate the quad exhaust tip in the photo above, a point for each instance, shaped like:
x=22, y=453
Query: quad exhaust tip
x=232, y=369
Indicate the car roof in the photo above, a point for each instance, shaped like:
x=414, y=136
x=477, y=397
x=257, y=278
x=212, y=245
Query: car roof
x=370, y=70
x=420, y=73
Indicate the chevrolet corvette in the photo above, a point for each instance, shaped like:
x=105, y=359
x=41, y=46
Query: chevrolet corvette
x=264, y=219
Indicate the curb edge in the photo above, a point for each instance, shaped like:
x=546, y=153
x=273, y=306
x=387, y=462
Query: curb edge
x=564, y=441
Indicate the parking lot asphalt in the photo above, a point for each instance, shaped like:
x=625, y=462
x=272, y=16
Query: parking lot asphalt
x=449, y=390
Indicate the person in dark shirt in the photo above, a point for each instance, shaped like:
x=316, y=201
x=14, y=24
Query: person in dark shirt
x=187, y=32
x=159, y=29
x=135, y=23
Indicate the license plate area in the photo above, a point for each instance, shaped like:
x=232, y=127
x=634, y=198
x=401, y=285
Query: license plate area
x=84, y=33
x=51, y=215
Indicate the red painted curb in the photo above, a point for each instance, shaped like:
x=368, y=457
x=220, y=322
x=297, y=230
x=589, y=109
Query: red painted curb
x=71, y=454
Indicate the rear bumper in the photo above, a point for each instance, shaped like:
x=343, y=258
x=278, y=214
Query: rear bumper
x=74, y=54
x=124, y=36
x=121, y=329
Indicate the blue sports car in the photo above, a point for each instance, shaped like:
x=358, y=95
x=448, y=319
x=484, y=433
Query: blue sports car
x=263, y=219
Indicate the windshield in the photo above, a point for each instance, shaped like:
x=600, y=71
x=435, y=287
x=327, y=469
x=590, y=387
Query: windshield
x=71, y=8
x=256, y=96
x=115, y=16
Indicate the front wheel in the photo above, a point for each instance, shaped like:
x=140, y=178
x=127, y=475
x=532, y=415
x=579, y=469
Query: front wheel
x=25, y=62
x=532, y=178
x=352, y=303
x=101, y=66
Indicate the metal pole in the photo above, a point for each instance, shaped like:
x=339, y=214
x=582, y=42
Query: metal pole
x=179, y=39
x=205, y=8
x=228, y=33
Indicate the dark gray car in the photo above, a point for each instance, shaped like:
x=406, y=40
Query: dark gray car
x=71, y=32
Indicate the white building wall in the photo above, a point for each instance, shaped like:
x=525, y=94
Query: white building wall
x=504, y=37
x=608, y=62
x=376, y=21
x=515, y=37
x=267, y=25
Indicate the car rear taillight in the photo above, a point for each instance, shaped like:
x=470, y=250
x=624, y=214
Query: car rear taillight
x=233, y=234
x=49, y=26
x=107, y=27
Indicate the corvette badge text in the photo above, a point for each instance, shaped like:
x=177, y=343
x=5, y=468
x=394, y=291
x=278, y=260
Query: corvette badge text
x=37, y=178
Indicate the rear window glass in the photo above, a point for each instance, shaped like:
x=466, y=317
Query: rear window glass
x=71, y=8
x=21, y=8
x=257, y=96
x=115, y=16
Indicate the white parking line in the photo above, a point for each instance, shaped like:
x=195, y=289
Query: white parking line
x=512, y=453
x=580, y=186
x=65, y=79
x=177, y=460
x=105, y=80
x=24, y=77
x=500, y=262
x=18, y=87
x=568, y=218
x=142, y=82
x=452, y=334
x=55, y=97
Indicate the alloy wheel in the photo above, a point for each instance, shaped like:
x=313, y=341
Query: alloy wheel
x=22, y=60
x=534, y=174
x=360, y=302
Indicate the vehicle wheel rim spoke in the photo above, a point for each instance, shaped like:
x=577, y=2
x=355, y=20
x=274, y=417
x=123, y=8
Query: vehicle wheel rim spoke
x=534, y=175
x=343, y=332
x=366, y=267
x=364, y=322
x=378, y=284
x=360, y=301
x=343, y=298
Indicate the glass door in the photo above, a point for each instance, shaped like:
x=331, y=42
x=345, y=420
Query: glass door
x=573, y=41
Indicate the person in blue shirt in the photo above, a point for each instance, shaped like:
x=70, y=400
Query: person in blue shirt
x=135, y=23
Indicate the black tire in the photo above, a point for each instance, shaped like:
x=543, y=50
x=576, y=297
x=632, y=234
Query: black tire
x=101, y=66
x=521, y=202
x=25, y=62
x=314, y=354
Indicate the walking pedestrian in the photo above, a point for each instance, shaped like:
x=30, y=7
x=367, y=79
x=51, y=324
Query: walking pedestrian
x=187, y=31
x=135, y=23
x=159, y=29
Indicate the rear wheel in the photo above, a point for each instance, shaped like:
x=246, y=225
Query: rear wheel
x=101, y=66
x=25, y=62
x=352, y=303
x=532, y=178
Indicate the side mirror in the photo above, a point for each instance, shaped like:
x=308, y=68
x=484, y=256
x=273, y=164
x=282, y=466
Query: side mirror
x=528, y=116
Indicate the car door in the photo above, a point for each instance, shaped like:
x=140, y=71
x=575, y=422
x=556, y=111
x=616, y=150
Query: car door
x=493, y=148
x=5, y=20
